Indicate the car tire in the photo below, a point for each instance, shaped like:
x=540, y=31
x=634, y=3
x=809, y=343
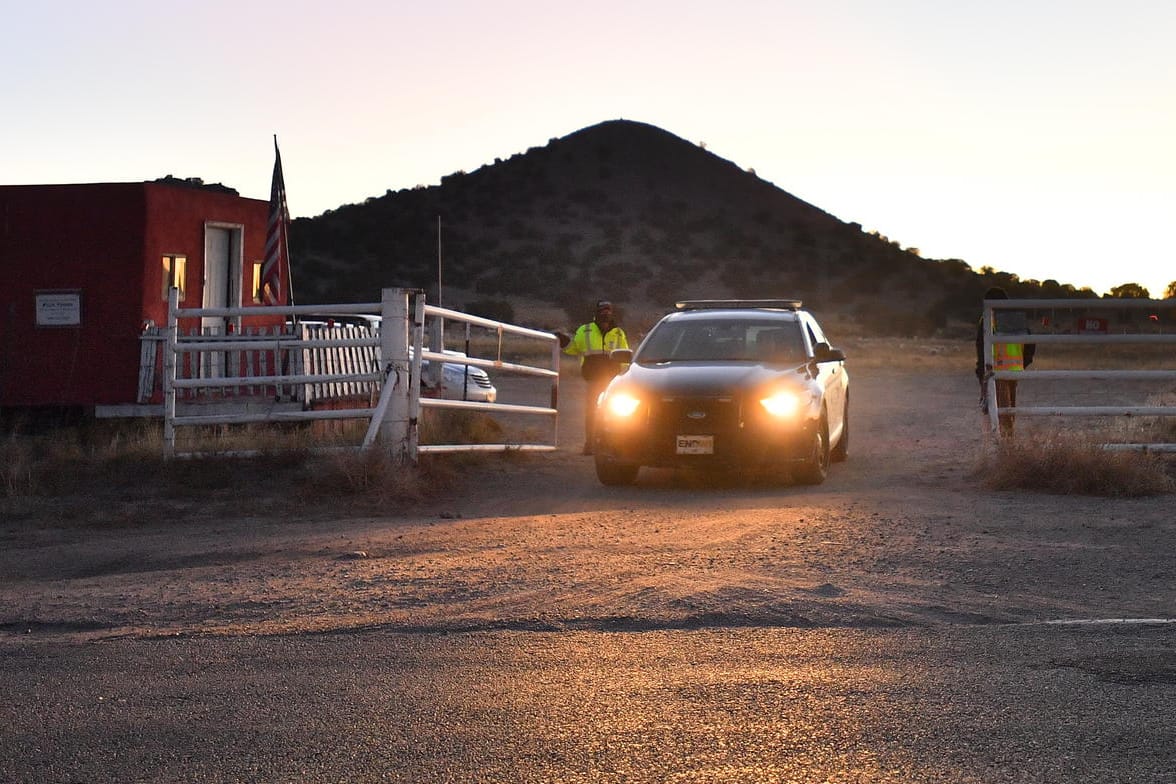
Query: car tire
x=815, y=467
x=612, y=473
x=841, y=451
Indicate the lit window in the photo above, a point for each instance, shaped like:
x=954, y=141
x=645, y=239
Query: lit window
x=174, y=268
x=257, y=282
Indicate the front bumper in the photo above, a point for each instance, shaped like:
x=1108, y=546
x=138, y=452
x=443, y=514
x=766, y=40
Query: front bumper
x=703, y=433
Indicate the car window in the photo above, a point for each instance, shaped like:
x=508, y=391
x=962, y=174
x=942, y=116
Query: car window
x=736, y=340
x=814, y=332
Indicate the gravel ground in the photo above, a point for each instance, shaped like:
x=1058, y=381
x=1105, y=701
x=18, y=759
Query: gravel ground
x=903, y=533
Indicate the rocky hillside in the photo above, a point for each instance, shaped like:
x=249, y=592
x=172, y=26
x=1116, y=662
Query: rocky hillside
x=629, y=212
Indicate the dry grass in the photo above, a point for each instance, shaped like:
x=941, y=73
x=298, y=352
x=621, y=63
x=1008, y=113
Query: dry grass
x=17, y=468
x=1129, y=356
x=898, y=354
x=1074, y=465
x=116, y=476
x=47, y=463
x=450, y=426
x=1161, y=429
x=373, y=477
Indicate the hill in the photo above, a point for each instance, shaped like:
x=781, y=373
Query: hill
x=629, y=212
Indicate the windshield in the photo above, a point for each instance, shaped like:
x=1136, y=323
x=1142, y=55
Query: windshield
x=730, y=340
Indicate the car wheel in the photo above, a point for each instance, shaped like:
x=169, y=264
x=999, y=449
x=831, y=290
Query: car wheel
x=815, y=467
x=841, y=451
x=610, y=472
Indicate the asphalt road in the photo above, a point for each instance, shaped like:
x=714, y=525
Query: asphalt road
x=1041, y=703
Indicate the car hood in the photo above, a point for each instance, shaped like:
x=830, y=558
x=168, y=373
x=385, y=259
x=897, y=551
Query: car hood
x=707, y=379
x=453, y=367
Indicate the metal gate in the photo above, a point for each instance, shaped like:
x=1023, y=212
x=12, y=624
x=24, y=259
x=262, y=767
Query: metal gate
x=1100, y=336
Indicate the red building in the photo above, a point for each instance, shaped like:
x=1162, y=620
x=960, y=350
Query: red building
x=83, y=268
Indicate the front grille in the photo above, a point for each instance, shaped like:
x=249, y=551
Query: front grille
x=670, y=417
x=689, y=415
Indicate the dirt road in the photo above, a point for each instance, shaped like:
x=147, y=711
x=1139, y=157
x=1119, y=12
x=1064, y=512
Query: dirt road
x=900, y=534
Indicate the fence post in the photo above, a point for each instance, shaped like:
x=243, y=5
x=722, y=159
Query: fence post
x=436, y=343
x=394, y=332
x=414, y=388
x=148, y=356
x=987, y=321
x=169, y=374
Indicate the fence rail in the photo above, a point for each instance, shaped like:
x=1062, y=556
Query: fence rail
x=438, y=315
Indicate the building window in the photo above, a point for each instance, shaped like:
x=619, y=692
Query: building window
x=174, y=268
x=257, y=292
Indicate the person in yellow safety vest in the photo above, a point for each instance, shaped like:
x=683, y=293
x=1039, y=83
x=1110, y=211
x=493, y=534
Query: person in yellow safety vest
x=593, y=342
x=1005, y=356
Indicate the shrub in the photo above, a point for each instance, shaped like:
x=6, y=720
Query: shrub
x=370, y=473
x=1074, y=465
x=445, y=426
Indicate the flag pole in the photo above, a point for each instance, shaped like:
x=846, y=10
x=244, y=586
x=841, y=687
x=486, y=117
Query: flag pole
x=286, y=240
x=289, y=270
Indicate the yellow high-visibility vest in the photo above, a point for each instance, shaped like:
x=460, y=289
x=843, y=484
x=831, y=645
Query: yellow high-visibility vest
x=588, y=340
x=1008, y=356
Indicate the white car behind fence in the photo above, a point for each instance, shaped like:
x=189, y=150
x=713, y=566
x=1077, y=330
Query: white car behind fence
x=459, y=382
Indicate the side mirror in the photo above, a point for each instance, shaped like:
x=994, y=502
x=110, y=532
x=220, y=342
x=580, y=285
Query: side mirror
x=823, y=352
x=621, y=355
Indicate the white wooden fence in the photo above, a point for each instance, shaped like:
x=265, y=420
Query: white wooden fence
x=1100, y=341
x=371, y=369
x=255, y=352
x=342, y=356
x=345, y=355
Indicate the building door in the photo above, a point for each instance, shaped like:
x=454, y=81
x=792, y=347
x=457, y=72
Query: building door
x=222, y=286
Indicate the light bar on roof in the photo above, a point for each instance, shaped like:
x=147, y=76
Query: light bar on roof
x=703, y=304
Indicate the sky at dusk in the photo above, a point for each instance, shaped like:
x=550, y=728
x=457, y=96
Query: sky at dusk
x=1037, y=137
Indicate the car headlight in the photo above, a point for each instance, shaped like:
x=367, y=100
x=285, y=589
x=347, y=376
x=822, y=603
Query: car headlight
x=621, y=404
x=784, y=403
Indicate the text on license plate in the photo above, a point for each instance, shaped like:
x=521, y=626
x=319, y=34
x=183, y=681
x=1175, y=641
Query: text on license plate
x=696, y=445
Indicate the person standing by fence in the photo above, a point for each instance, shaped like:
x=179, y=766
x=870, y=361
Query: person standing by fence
x=593, y=342
x=1013, y=357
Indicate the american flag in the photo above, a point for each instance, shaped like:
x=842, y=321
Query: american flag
x=277, y=254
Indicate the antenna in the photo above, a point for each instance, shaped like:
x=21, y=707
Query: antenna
x=438, y=261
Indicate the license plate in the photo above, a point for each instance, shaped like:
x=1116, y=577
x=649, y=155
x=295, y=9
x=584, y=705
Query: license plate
x=696, y=445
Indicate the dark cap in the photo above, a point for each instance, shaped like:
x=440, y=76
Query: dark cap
x=603, y=304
